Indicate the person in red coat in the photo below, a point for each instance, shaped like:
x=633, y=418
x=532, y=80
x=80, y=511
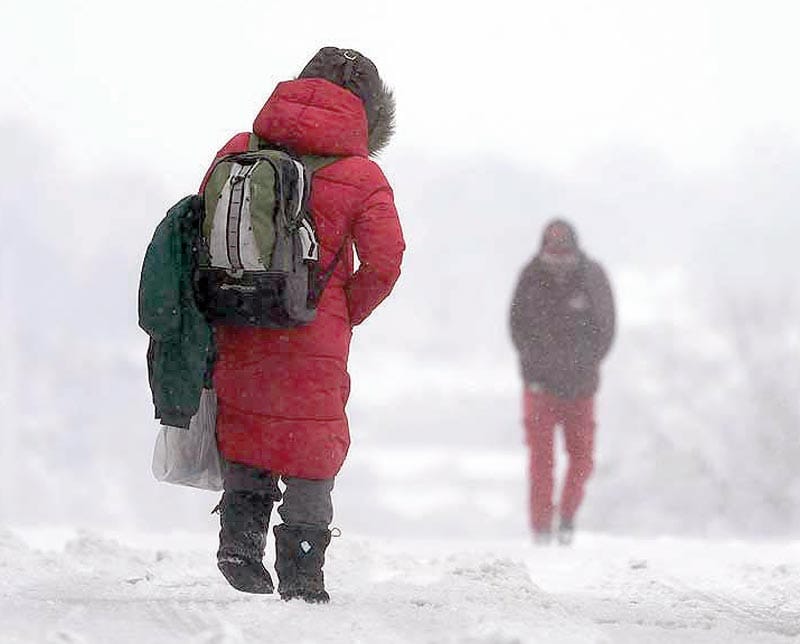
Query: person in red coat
x=562, y=325
x=282, y=393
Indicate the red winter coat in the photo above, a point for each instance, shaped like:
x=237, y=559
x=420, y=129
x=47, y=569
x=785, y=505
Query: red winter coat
x=282, y=393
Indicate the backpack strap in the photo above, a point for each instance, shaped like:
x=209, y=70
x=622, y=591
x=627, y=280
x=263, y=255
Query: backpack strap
x=255, y=143
x=312, y=162
x=322, y=278
x=315, y=163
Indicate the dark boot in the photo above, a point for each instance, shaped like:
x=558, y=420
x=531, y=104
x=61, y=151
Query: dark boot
x=566, y=531
x=300, y=556
x=244, y=521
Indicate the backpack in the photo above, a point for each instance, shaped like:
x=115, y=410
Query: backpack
x=258, y=259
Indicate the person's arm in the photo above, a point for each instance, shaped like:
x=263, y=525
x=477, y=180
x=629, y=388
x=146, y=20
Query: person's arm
x=528, y=331
x=603, y=311
x=378, y=239
x=519, y=321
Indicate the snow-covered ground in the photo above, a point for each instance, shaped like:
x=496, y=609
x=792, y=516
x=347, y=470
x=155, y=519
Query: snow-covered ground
x=78, y=587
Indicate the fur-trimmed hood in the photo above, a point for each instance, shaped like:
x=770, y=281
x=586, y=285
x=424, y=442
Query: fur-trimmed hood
x=381, y=129
x=355, y=72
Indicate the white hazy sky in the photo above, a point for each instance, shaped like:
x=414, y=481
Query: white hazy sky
x=546, y=83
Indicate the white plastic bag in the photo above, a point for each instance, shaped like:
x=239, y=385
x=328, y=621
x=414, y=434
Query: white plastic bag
x=190, y=456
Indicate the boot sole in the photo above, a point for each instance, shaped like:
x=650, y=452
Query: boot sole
x=317, y=598
x=245, y=581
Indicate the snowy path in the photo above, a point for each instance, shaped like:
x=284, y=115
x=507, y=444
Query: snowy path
x=82, y=588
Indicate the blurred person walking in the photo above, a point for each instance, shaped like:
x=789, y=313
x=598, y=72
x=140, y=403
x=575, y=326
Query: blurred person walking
x=562, y=326
x=282, y=392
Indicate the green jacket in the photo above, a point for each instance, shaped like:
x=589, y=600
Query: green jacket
x=181, y=340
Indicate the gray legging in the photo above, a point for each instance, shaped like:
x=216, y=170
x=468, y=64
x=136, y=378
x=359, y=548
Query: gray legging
x=306, y=502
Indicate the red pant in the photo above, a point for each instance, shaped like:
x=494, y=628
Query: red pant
x=542, y=412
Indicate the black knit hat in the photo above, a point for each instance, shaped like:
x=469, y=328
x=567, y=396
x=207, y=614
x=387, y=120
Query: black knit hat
x=352, y=70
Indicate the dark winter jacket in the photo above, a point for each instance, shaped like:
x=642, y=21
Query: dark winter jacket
x=180, y=338
x=282, y=393
x=562, y=331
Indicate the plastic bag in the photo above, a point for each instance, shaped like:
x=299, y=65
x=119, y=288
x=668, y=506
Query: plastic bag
x=190, y=456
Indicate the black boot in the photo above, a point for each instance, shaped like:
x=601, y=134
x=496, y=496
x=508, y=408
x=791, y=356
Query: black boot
x=566, y=531
x=300, y=555
x=244, y=521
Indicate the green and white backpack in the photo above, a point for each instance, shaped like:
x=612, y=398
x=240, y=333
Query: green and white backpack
x=259, y=256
